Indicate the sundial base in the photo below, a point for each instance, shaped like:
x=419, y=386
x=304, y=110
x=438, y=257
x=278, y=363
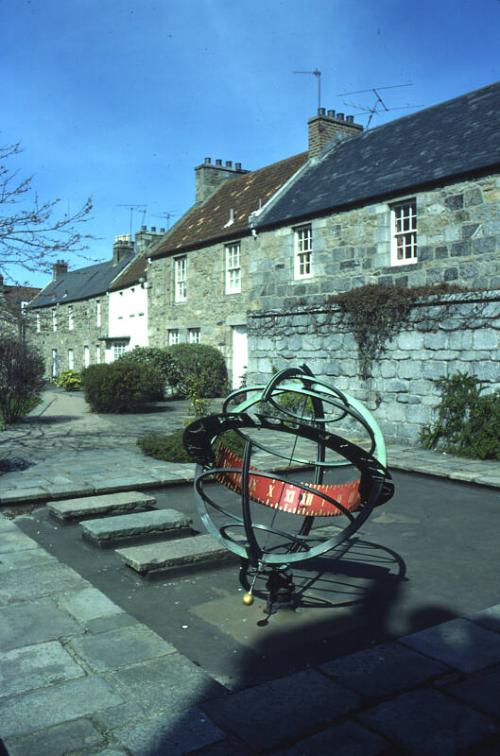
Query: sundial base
x=281, y=590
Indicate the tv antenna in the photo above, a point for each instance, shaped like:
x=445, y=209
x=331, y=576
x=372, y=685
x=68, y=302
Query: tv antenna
x=317, y=74
x=379, y=103
x=167, y=216
x=142, y=208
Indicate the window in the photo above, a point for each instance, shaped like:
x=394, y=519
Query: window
x=233, y=268
x=54, y=319
x=180, y=276
x=404, y=233
x=303, y=251
x=173, y=336
x=71, y=359
x=194, y=335
x=119, y=348
x=38, y=323
x=71, y=319
x=86, y=356
x=98, y=314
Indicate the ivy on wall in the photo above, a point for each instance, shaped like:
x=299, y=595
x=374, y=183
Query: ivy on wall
x=376, y=313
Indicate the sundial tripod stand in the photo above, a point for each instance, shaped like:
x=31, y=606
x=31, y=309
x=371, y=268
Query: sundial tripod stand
x=268, y=519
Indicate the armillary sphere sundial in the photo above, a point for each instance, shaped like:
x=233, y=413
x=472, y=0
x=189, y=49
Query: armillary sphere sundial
x=269, y=517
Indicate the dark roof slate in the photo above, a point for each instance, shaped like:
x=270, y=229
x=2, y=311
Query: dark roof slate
x=448, y=140
x=208, y=222
x=132, y=273
x=83, y=283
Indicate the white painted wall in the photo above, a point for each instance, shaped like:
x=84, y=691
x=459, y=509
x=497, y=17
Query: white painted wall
x=128, y=316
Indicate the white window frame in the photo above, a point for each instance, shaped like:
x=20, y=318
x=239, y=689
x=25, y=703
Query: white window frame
x=71, y=318
x=193, y=335
x=303, y=252
x=38, y=323
x=86, y=355
x=404, y=248
x=98, y=315
x=173, y=336
x=119, y=347
x=54, y=319
x=233, y=268
x=71, y=359
x=180, y=278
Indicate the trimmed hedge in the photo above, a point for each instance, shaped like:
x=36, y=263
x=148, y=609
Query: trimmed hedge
x=121, y=386
x=197, y=367
x=21, y=379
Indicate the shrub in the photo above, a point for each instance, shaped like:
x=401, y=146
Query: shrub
x=69, y=380
x=21, y=379
x=199, y=363
x=121, y=386
x=153, y=357
x=467, y=422
x=170, y=448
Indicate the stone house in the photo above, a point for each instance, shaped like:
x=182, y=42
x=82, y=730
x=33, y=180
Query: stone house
x=77, y=319
x=415, y=201
x=198, y=275
x=13, y=303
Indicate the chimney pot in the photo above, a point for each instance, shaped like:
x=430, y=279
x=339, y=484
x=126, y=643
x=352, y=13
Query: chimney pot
x=237, y=166
x=153, y=229
x=144, y=228
x=208, y=161
x=229, y=163
x=321, y=111
x=340, y=116
x=162, y=230
x=331, y=114
x=218, y=162
x=350, y=119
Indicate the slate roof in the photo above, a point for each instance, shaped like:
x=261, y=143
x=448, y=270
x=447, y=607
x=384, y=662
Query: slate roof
x=207, y=223
x=16, y=295
x=131, y=274
x=80, y=284
x=452, y=139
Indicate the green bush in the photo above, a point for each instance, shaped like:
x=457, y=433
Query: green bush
x=121, y=386
x=200, y=365
x=467, y=422
x=69, y=380
x=21, y=379
x=153, y=357
x=169, y=447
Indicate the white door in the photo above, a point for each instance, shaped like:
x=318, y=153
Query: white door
x=240, y=355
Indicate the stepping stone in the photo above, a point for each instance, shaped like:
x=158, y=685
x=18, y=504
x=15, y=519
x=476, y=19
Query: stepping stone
x=157, y=521
x=75, y=509
x=168, y=554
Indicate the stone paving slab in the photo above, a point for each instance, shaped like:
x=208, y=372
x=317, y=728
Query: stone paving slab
x=89, y=604
x=36, y=666
x=72, y=509
x=21, y=715
x=172, y=734
x=78, y=735
x=154, y=522
x=459, y=643
x=270, y=714
x=429, y=723
x=119, y=648
x=481, y=691
x=488, y=618
x=347, y=739
x=47, y=579
x=170, y=554
x=17, y=560
x=383, y=670
x=36, y=621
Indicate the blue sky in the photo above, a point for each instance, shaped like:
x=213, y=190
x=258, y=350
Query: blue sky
x=120, y=100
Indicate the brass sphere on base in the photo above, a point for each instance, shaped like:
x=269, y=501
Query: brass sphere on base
x=248, y=599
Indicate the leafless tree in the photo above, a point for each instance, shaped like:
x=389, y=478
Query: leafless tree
x=32, y=236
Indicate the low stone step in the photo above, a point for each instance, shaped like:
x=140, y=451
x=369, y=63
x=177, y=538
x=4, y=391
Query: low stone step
x=154, y=522
x=168, y=554
x=125, y=501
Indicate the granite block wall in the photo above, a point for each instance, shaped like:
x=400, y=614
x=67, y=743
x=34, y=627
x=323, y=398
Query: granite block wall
x=445, y=335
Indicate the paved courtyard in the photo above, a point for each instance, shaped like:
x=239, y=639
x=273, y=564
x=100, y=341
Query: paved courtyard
x=397, y=651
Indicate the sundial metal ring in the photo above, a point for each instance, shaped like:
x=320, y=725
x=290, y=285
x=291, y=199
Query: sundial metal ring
x=277, y=465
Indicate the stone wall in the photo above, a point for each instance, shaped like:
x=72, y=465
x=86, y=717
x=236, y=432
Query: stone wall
x=85, y=333
x=207, y=305
x=442, y=336
x=458, y=236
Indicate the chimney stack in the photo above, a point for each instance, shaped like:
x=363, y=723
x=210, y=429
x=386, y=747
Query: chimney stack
x=210, y=176
x=327, y=128
x=122, y=247
x=59, y=268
